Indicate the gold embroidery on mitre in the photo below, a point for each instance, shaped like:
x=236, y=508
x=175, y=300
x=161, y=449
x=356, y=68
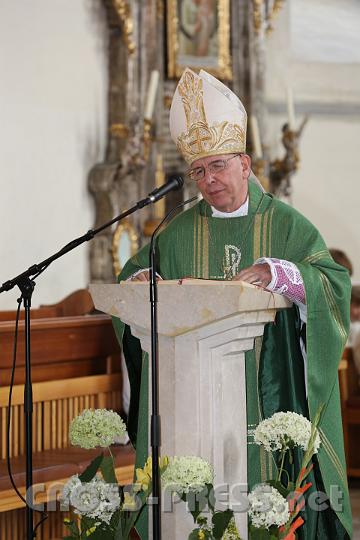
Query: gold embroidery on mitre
x=200, y=139
x=191, y=92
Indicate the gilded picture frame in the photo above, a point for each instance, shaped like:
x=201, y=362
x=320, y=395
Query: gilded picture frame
x=125, y=244
x=198, y=37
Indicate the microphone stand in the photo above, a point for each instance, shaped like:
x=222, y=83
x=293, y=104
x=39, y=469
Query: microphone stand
x=27, y=286
x=155, y=425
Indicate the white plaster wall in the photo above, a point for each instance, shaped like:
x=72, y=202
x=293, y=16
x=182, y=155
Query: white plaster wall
x=325, y=80
x=326, y=189
x=53, y=72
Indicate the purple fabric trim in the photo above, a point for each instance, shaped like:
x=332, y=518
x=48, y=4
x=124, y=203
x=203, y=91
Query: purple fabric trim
x=287, y=279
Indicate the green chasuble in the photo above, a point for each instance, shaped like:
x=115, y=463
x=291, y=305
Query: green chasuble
x=195, y=244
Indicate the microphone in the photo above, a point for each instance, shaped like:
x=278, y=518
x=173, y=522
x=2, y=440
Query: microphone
x=175, y=183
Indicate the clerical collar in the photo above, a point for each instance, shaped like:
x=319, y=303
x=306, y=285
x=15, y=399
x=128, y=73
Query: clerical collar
x=242, y=211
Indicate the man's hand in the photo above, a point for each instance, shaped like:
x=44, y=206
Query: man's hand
x=257, y=274
x=143, y=276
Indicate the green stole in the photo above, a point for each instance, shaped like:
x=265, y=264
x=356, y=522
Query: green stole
x=198, y=245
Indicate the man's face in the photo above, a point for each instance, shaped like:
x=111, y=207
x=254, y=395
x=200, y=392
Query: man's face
x=226, y=190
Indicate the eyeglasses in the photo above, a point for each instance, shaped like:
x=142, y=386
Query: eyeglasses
x=198, y=173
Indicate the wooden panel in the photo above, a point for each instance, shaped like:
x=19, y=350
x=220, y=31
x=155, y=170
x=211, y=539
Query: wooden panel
x=46, y=391
x=62, y=369
x=60, y=338
x=77, y=303
x=12, y=525
x=51, y=417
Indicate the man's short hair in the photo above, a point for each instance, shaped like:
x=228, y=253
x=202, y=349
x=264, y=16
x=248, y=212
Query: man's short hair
x=340, y=257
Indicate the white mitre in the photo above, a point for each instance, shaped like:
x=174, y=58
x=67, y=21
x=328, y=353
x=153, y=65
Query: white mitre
x=206, y=117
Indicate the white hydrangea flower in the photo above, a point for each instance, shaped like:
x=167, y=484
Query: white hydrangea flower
x=267, y=507
x=187, y=473
x=96, y=499
x=93, y=428
x=284, y=430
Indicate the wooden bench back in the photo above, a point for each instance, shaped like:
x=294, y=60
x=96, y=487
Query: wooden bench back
x=77, y=303
x=56, y=403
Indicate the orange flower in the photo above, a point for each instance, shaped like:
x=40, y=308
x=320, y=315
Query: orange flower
x=296, y=495
x=291, y=534
x=304, y=472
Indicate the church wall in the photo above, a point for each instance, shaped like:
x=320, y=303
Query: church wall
x=52, y=131
x=326, y=189
x=325, y=81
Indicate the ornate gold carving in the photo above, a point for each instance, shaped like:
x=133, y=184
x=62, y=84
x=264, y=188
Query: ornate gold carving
x=200, y=139
x=257, y=15
x=224, y=40
x=278, y=4
x=120, y=131
x=222, y=69
x=160, y=9
x=147, y=137
x=123, y=10
x=281, y=170
x=263, y=17
x=258, y=166
x=167, y=101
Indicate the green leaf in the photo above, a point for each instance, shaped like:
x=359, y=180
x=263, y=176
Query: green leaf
x=197, y=502
x=291, y=486
x=279, y=486
x=211, y=499
x=119, y=531
x=73, y=528
x=91, y=469
x=101, y=533
x=107, y=470
x=260, y=533
x=221, y=521
x=86, y=523
x=194, y=535
x=130, y=518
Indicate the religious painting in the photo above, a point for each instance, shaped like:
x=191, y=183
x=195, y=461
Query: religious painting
x=198, y=37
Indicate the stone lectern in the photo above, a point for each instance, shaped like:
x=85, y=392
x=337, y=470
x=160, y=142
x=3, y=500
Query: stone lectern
x=205, y=328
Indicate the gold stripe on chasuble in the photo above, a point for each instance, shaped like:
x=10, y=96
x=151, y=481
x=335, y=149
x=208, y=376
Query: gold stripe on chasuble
x=269, y=250
x=333, y=456
x=258, y=345
x=257, y=236
x=334, y=309
x=316, y=256
x=201, y=247
x=264, y=249
x=205, y=247
x=195, y=247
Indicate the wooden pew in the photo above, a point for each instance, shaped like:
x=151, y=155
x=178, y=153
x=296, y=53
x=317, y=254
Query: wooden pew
x=75, y=365
x=350, y=401
x=66, y=341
